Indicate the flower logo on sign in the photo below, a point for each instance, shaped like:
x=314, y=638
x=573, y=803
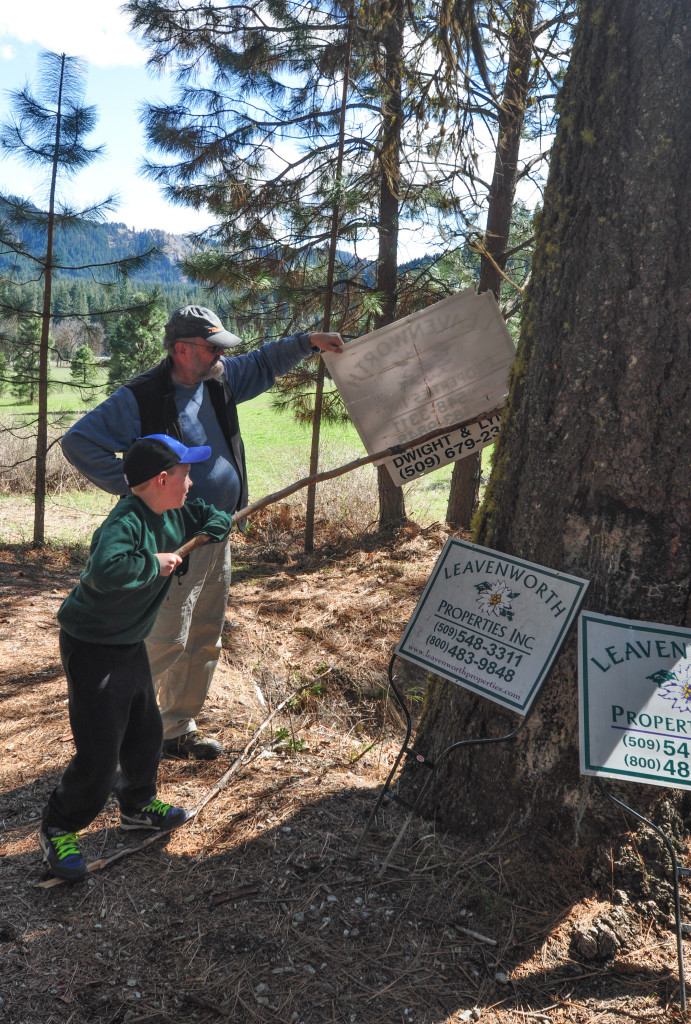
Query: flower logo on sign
x=675, y=686
x=494, y=598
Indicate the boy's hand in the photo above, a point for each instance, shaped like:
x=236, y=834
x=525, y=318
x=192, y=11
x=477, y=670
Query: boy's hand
x=169, y=561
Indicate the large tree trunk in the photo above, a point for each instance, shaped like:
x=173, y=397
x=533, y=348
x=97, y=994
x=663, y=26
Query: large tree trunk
x=592, y=474
x=465, y=482
x=391, y=504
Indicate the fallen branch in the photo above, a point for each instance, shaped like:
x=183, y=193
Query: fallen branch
x=97, y=865
x=222, y=782
x=475, y=935
x=363, y=752
x=190, y=545
x=331, y=474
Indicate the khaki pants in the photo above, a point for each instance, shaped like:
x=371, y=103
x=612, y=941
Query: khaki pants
x=185, y=643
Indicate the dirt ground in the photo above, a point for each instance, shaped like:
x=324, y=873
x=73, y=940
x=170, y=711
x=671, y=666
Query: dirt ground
x=257, y=910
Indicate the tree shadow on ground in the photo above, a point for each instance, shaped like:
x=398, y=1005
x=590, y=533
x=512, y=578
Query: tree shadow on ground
x=12, y=685
x=257, y=911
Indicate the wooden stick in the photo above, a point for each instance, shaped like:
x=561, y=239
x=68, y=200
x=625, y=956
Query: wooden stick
x=236, y=764
x=330, y=474
x=190, y=545
x=475, y=935
x=97, y=865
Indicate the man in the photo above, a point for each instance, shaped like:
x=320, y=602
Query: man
x=191, y=395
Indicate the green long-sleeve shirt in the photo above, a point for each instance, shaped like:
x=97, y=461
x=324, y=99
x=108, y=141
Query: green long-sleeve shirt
x=121, y=588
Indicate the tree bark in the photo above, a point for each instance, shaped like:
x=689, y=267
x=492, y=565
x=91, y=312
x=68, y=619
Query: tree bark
x=391, y=504
x=593, y=472
x=465, y=482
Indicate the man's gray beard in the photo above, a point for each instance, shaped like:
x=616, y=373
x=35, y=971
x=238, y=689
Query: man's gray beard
x=214, y=372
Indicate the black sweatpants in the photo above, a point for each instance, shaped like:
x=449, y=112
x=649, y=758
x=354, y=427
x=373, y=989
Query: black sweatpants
x=114, y=719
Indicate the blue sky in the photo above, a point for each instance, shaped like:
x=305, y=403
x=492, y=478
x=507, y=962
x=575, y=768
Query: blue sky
x=117, y=84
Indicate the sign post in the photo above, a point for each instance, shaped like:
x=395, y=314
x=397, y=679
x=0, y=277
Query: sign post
x=635, y=716
x=492, y=623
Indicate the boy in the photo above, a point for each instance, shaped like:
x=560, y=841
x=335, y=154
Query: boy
x=113, y=711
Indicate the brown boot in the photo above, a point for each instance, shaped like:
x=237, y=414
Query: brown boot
x=192, y=745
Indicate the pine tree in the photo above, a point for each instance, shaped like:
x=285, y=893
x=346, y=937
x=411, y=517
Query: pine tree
x=48, y=128
x=84, y=371
x=518, y=53
x=25, y=364
x=593, y=471
x=254, y=138
x=135, y=340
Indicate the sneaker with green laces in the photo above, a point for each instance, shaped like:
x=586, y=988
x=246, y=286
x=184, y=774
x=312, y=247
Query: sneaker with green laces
x=156, y=816
x=62, y=854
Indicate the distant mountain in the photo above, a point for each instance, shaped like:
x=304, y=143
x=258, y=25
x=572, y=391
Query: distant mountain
x=87, y=244
x=117, y=240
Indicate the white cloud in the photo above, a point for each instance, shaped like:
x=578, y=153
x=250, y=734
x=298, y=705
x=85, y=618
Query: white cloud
x=97, y=31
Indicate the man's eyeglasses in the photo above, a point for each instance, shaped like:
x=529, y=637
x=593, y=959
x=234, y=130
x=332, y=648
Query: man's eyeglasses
x=216, y=350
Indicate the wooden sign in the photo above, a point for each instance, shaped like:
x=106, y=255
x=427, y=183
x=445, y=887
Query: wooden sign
x=440, y=451
x=445, y=364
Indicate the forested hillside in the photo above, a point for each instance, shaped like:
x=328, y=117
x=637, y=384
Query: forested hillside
x=84, y=246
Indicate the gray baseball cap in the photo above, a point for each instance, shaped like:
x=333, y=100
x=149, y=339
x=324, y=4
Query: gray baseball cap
x=200, y=322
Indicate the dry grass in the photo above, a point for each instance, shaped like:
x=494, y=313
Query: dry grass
x=17, y=455
x=346, y=509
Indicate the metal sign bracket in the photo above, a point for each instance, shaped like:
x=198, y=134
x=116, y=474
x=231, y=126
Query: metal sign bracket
x=409, y=751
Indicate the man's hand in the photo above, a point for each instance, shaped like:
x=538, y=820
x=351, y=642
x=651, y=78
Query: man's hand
x=327, y=341
x=169, y=561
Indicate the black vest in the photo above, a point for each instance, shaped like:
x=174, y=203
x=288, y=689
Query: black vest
x=155, y=395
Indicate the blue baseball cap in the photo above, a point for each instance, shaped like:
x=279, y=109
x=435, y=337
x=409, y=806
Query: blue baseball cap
x=153, y=454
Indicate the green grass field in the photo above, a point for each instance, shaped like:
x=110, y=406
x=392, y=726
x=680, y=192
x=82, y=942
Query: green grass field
x=63, y=397
x=278, y=451
x=277, y=455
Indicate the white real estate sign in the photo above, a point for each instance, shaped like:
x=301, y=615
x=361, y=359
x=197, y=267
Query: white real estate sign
x=442, y=450
x=491, y=622
x=443, y=365
x=635, y=700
